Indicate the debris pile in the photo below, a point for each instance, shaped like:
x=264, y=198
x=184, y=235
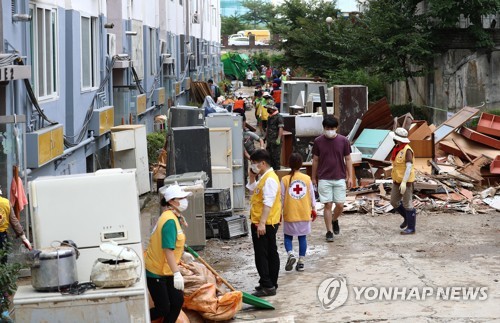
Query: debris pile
x=454, y=163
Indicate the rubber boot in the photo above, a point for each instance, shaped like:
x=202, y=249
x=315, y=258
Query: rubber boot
x=401, y=210
x=411, y=218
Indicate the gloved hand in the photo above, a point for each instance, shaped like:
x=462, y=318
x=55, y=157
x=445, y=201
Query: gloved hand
x=402, y=187
x=26, y=242
x=278, y=141
x=314, y=215
x=178, y=281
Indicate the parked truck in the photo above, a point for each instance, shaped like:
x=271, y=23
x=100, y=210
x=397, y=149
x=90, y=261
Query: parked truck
x=260, y=35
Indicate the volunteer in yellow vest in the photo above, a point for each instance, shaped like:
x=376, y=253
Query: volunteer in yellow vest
x=8, y=217
x=166, y=246
x=265, y=214
x=297, y=196
x=403, y=176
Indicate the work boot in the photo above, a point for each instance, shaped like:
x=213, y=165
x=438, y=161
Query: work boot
x=290, y=262
x=329, y=236
x=411, y=218
x=401, y=210
x=336, y=228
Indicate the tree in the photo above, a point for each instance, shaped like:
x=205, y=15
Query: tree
x=304, y=34
x=394, y=40
x=259, y=12
x=231, y=25
x=447, y=13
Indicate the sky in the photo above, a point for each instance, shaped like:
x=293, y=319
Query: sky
x=347, y=5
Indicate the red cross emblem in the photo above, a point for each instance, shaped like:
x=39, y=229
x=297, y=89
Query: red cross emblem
x=297, y=189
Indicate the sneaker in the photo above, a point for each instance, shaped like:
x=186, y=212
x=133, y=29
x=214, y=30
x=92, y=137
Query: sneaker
x=300, y=266
x=265, y=291
x=290, y=262
x=329, y=236
x=336, y=228
x=258, y=287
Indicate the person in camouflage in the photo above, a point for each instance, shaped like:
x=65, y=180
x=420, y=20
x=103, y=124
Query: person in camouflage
x=274, y=133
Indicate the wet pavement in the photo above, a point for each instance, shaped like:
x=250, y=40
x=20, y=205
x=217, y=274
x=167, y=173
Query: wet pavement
x=448, y=250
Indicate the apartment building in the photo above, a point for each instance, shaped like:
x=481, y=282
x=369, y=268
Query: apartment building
x=73, y=69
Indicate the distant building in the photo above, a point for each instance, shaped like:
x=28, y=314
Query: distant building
x=233, y=7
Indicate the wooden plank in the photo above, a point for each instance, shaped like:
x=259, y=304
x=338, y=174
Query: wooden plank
x=473, y=169
x=472, y=148
x=451, y=196
x=479, y=137
x=422, y=165
x=462, y=150
x=422, y=148
x=456, y=121
x=415, y=125
x=421, y=133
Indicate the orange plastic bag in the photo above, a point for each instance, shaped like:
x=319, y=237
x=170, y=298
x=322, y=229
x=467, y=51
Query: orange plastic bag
x=205, y=301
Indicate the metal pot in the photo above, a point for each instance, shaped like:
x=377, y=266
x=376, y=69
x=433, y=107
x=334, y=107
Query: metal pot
x=54, y=269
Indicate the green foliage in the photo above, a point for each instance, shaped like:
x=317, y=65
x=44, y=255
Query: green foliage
x=446, y=14
x=232, y=24
x=9, y=273
x=264, y=58
x=359, y=77
x=260, y=13
x=156, y=141
x=418, y=113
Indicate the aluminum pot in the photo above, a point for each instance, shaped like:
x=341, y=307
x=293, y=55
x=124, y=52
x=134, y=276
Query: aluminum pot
x=54, y=269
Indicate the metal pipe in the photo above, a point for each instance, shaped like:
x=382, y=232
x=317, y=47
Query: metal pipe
x=72, y=149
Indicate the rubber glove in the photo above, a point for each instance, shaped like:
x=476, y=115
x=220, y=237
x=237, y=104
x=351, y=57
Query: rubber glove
x=178, y=281
x=26, y=242
x=402, y=187
x=278, y=141
x=314, y=215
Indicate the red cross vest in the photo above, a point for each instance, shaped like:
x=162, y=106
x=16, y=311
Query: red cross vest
x=297, y=204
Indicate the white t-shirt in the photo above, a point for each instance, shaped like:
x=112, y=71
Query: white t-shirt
x=249, y=75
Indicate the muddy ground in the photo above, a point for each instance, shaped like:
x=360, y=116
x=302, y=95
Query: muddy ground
x=449, y=250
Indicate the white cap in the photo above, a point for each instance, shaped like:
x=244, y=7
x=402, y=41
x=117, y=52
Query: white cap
x=401, y=134
x=174, y=192
x=266, y=94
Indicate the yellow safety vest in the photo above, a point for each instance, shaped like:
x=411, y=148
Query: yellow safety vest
x=399, y=166
x=297, y=205
x=257, y=201
x=155, y=259
x=4, y=214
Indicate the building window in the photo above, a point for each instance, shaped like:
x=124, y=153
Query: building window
x=90, y=62
x=43, y=31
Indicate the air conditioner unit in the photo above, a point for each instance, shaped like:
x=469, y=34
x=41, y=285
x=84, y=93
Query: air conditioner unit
x=111, y=45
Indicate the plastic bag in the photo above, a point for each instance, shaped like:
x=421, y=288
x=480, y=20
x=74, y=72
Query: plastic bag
x=205, y=301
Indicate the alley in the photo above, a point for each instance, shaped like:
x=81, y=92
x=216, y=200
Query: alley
x=449, y=250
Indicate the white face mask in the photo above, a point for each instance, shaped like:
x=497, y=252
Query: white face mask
x=255, y=168
x=330, y=133
x=183, y=205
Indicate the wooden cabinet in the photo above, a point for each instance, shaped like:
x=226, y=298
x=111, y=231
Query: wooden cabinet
x=44, y=145
x=102, y=120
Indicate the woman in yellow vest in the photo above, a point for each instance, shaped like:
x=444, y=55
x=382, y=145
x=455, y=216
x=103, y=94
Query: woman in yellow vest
x=8, y=218
x=265, y=214
x=166, y=246
x=403, y=176
x=297, y=196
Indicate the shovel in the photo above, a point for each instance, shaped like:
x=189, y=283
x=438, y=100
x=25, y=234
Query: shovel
x=247, y=298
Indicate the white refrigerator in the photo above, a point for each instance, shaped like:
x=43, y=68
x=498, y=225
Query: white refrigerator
x=89, y=209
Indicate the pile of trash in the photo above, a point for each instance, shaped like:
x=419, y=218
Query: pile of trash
x=457, y=167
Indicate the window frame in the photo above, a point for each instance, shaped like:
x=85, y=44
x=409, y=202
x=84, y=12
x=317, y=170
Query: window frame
x=94, y=53
x=153, y=45
x=36, y=44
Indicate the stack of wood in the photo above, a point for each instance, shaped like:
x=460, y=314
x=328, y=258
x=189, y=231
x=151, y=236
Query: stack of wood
x=199, y=90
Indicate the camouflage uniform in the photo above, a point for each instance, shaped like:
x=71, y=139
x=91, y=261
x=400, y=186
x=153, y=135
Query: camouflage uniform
x=274, y=123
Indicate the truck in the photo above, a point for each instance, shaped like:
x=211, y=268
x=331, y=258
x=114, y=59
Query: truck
x=262, y=35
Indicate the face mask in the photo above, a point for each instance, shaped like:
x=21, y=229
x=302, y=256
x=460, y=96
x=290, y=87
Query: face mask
x=255, y=168
x=183, y=205
x=330, y=133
